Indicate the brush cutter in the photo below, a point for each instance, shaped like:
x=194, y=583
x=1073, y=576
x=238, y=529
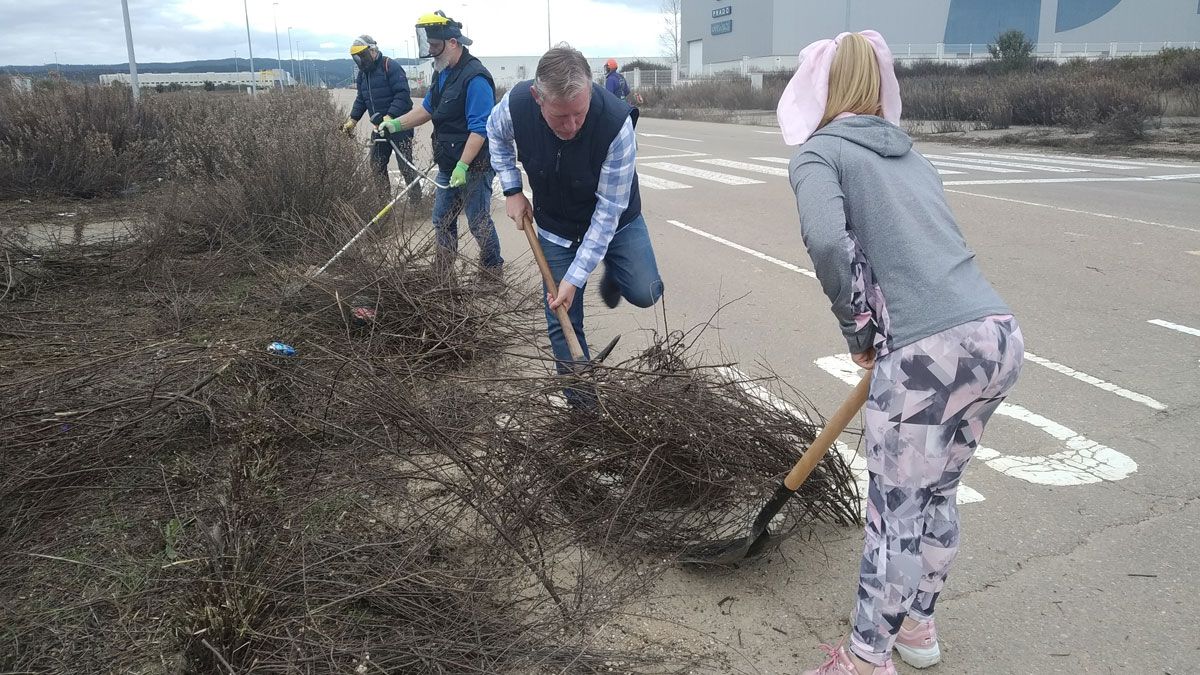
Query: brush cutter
x=579, y=365
x=314, y=272
x=733, y=551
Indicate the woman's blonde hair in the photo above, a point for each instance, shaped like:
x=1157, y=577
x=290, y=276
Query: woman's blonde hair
x=853, y=80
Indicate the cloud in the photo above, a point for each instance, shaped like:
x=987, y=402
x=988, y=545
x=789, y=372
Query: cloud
x=92, y=31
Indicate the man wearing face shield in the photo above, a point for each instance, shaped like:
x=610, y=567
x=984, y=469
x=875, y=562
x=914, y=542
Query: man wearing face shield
x=458, y=103
x=382, y=93
x=576, y=142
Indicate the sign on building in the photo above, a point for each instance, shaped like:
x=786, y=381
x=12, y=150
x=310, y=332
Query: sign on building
x=722, y=27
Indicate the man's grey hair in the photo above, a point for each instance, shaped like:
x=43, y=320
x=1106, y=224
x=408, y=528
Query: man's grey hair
x=562, y=73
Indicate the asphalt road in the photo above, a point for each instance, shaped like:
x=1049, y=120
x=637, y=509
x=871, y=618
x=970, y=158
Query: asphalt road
x=1081, y=523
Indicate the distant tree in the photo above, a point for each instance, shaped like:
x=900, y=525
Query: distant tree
x=669, y=38
x=209, y=85
x=1013, y=50
x=159, y=88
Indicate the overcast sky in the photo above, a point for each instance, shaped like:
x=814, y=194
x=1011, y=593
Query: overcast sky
x=91, y=31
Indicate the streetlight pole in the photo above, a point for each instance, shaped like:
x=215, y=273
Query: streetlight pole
x=547, y=25
x=292, y=56
x=133, y=78
x=278, y=54
x=250, y=45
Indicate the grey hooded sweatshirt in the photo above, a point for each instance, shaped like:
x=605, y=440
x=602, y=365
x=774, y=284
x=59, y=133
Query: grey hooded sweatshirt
x=865, y=195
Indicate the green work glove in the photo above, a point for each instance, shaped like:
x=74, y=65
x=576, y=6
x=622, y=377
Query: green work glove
x=459, y=177
x=348, y=127
x=391, y=126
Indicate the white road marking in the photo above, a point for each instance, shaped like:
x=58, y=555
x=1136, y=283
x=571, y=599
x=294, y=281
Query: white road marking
x=1174, y=326
x=673, y=138
x=773, y=160
x=761, y=131
x=757, y=254
x=856, y=462
x=1083, y=461
x=976, y=167
x=948, y=172
x=1197, y=253
x=1067, y=210
x=1109, y=160
x=673, y=156
x=1011, y=165
x=1111, y=179
x=847, y=371
x=703, y=173
x=1096, y=382
x=1092, y=164
x=655, y=183
x=746, y=166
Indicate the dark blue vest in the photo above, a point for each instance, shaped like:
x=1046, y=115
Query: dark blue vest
x=449, y=104
x=564, y=175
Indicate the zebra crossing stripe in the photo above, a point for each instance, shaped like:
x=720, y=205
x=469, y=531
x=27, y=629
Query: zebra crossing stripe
x=773, y=160
x=1030, y=155
x=705, y=174
x=1064, y=162
x=655, y=183
x=947, y=172
x=1012, y=165
x=975, y=167
x=746, y=166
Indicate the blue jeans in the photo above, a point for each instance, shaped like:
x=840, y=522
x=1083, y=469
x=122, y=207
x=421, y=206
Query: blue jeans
x=630, y=259
x=476, y=198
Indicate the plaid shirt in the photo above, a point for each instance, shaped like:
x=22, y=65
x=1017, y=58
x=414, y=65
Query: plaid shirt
x=612, y=192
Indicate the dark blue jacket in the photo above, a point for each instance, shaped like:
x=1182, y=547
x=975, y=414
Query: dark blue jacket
x=382, y=90
x=564, y=175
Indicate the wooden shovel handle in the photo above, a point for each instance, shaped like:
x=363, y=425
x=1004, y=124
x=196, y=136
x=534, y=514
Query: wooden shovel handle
x=833, y=428
x=564, y=318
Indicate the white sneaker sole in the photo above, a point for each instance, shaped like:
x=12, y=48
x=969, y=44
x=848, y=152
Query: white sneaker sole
x=919, y=657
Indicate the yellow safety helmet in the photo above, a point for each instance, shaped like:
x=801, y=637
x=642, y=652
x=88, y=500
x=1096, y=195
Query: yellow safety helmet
x=361, y=44
x=437, y=26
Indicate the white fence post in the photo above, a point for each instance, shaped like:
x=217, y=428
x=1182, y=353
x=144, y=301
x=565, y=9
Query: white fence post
x=756, y=81
x=941, y=51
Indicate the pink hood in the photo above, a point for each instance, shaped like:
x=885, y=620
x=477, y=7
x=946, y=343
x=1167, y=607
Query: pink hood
x=803, y=102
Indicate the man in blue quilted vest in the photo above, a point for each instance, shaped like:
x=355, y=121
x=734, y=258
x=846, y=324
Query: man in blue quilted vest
x=576, y=142
x=458, y=102
x=383, y=94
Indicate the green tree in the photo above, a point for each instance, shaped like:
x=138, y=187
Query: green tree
x=1013, y=50
x=209, y=85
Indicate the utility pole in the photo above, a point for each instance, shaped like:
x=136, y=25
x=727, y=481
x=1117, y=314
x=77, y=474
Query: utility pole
x=133, y=78
x=250, y=45
x=847, y=25
x=292, y=56
x=237, y=72
x=547, y=25
x=278, y=54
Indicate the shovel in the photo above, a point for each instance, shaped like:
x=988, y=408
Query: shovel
x=733, y=551
x=579, y=365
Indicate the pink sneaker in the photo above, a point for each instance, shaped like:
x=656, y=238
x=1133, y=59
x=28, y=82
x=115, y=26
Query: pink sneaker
x=919, y=647
x=839, y=663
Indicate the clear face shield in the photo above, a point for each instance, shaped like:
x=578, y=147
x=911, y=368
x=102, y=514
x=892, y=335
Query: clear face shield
x=363, y=59
x=424, y=49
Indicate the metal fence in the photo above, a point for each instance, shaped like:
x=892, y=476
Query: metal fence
x=957, y=53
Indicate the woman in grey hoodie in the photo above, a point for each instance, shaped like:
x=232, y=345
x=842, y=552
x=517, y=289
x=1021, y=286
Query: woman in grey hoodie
x=940, y=345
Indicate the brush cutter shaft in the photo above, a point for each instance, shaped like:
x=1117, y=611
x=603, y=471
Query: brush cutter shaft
x=378, y=216
x=564, y=318
x=833, y=428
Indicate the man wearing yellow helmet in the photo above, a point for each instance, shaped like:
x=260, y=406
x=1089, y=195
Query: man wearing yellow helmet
x=383, y=93
x=458, y=103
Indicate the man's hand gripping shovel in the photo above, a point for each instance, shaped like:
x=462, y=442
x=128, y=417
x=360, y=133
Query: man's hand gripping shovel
x=579, y=364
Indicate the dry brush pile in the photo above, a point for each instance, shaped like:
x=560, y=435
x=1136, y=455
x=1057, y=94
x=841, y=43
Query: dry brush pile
x=404, y=494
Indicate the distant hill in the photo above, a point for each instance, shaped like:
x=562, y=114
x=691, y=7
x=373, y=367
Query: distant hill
x=334, y=72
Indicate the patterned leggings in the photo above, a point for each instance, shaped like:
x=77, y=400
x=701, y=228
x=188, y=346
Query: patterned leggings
x=928, y=405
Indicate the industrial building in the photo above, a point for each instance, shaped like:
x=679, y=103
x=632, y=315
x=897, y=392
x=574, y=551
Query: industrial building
x=265, y=79
x=721, y=35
